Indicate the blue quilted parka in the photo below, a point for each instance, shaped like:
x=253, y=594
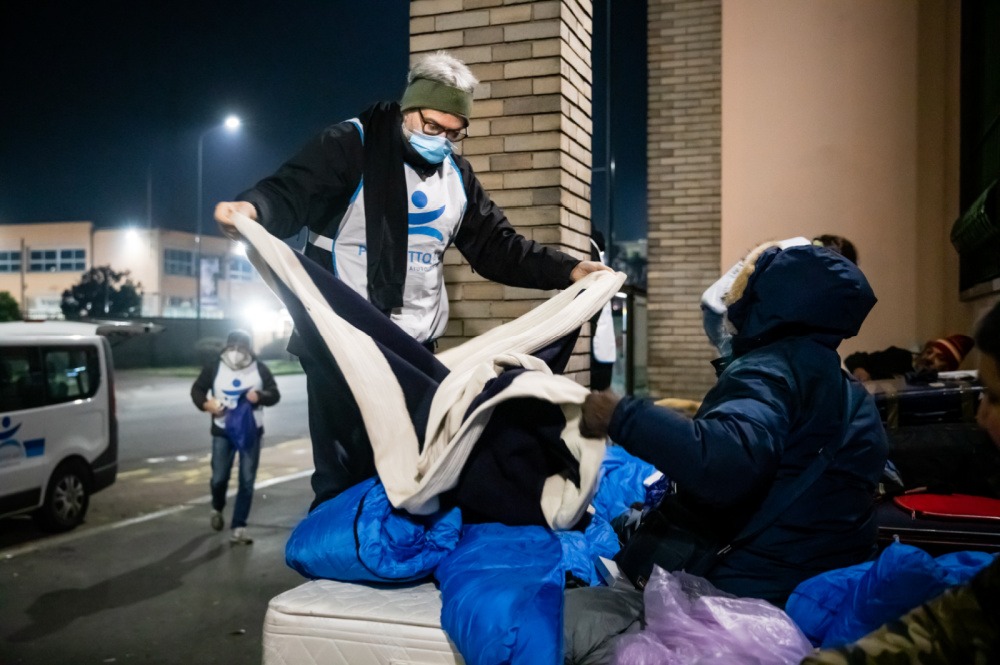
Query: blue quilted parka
x=775, y=405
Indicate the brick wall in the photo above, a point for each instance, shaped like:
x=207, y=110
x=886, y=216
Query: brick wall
x=529, y=138
x=684, y=162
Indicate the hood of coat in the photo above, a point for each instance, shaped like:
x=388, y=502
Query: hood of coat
x=799, y=291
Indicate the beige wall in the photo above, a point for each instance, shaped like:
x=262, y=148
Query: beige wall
x=841, y=116
x=136, y=251
x=57, y=235
x=234, y=296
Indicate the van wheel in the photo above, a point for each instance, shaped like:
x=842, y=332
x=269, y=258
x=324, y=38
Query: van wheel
x=66, y=499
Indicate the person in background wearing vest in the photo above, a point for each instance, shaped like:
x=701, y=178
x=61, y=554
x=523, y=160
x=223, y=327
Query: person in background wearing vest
x=234, y=389
x=383, y=195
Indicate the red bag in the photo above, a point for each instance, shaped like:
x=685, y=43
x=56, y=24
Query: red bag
x=955, y=506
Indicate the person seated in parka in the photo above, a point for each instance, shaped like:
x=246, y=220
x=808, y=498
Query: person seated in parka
x=777, y=403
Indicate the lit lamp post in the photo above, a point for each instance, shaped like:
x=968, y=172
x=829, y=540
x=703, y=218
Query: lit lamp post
x=231, y=124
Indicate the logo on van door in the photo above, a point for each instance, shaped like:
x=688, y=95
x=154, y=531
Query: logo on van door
x=11, y=449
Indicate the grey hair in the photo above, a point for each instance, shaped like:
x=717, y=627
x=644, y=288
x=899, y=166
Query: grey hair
x=443, y=68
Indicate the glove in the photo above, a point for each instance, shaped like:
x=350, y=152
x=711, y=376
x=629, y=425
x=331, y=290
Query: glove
x=597, y=411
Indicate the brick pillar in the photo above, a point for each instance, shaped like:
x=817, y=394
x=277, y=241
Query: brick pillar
x=529, y=137
x=685, y=172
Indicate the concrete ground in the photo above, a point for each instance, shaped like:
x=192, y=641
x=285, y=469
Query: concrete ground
x=159, y=588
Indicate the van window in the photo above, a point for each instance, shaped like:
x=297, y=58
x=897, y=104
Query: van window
x=70, y=373
x=22, y=385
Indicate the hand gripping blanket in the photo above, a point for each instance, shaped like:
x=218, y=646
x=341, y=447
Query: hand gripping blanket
x=489, y=400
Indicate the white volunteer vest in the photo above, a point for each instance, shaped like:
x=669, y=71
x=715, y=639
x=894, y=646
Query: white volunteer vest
x=435, y=207
x=231, y=383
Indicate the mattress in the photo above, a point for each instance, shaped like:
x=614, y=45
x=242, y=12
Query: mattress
x=339, y=623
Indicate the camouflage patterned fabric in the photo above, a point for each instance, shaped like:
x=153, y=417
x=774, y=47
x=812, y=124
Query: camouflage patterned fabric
x=961, y=626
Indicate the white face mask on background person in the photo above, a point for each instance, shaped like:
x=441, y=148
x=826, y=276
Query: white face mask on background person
x=236, y=358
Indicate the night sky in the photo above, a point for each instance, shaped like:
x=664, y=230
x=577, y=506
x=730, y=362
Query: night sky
x=103, y=99
x=623, y=217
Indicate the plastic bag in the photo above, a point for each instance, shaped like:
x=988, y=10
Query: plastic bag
x=690, y=622
x=241, y=428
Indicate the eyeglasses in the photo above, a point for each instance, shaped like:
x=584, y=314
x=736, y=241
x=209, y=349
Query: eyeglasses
x=431, y=128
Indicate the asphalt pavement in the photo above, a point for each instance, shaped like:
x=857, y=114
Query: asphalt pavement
x=156, y=418
x=145, y=579
x=163, y=590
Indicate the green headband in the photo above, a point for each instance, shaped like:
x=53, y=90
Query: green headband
x=428, y=94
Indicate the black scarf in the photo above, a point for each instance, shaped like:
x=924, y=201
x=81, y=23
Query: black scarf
x=385, y=205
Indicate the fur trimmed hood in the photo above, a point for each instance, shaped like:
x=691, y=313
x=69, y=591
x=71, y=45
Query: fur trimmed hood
x=799, y=291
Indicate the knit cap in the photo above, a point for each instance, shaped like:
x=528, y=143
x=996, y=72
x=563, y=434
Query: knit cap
x=239, y=338
x=953, y=348
x=427, y=94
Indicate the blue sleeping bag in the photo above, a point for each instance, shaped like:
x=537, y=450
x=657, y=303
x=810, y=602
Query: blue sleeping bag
x=502, y=590
x=620, y=486
x=843, y=605
x=501, y=586
x=358, y=536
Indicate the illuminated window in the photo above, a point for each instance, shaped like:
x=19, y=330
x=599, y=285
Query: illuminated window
x=178, y=262
x=241, y=270
x=57, y=260
x=10, y=261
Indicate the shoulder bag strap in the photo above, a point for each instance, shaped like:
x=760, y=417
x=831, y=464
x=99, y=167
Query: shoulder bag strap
x=775, y=504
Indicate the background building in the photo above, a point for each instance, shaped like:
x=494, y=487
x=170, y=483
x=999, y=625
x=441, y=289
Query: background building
x=41, y=260
x=762, y=120
x=765, y=120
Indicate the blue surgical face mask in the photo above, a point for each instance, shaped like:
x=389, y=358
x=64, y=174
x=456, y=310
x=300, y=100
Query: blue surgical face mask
x=435, y=149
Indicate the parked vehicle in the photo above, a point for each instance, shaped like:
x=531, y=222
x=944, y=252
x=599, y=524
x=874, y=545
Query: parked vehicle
x=58, y=427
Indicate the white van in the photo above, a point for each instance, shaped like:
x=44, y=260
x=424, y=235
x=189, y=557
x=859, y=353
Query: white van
x=58, y=429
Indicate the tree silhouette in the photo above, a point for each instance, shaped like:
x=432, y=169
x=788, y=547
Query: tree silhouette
x=9, y=309
x=102, y=292
x=633, y=264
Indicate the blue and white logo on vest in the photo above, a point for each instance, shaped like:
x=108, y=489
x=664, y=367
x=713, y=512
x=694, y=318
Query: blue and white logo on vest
x=231, y=396
x=419, y=222
x=11, y=449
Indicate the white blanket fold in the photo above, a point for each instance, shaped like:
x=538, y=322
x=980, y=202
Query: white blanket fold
x=414, y=475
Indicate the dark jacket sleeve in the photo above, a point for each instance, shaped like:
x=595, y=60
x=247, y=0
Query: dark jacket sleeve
x=312, y=188
x=269, y=394
x=884, y=364
x=498, y=252
x=728, y=452
x=203, y=384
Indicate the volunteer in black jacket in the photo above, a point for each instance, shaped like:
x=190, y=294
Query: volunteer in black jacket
x=383, y=196
x=237, y=380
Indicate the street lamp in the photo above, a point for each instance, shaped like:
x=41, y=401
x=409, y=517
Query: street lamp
x=231, y=124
